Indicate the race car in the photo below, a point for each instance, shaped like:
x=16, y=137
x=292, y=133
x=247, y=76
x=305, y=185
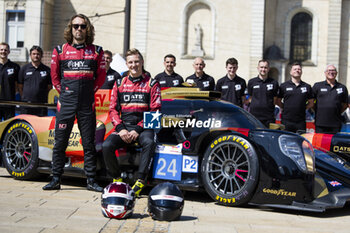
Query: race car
x=203, y=143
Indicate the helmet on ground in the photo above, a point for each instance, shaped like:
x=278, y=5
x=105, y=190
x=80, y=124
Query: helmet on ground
x=165, y=202
x=118, y=200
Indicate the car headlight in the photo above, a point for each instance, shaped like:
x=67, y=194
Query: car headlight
x=309, y=155
x=301, y=153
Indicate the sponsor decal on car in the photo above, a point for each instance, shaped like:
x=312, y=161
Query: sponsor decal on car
x=280, y=192
x=344, y=149
x=334, y=183
x=74, y=138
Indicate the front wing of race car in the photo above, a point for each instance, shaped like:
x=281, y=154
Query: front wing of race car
x=331, y=186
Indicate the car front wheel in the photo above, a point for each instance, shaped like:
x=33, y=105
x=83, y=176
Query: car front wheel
x=20, y=151
x=230, y=170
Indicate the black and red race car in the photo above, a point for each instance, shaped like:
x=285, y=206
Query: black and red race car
x=203, y=143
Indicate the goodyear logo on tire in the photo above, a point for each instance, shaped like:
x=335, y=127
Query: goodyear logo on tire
x=230, y=138
x=20, y=125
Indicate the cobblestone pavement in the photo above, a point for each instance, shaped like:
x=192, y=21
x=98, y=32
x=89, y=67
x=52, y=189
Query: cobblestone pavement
x=24, y=207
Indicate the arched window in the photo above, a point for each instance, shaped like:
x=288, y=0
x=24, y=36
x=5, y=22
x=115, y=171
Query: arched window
x=301, y=37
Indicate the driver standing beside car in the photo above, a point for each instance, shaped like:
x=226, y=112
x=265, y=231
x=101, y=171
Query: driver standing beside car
x=77, y=72
x=136, y=94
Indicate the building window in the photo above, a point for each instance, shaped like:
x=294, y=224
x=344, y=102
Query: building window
x=301, y=37
x=15, y=28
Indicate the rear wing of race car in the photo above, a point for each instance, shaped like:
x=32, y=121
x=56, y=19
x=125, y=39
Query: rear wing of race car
x=51, y=101
x=188, y=93
x=102, y=98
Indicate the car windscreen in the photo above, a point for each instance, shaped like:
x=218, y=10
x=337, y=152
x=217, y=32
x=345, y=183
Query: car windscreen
x=216, y=114
x=229, y=115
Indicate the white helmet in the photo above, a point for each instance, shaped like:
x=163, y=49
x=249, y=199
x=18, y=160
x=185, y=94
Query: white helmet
x=118, y=200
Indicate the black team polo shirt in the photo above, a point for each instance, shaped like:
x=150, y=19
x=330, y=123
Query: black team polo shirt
x=8, y=78
x=294, y=100
x=232, y=90
x=165, y=80
x=329, y=103
x=35, y=82
x=111, y=77
x=263, y=93
x=205, y=83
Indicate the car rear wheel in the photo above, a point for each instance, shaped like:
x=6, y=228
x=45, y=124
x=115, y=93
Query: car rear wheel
x=20, y=151
x=230, y=170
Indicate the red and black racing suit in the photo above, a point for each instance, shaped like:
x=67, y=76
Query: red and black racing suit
x=77, y=72
x=129, y=100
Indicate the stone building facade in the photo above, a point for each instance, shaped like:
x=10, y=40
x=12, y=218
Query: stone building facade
x=314, y=32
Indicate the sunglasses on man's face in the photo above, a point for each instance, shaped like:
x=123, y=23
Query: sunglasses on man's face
x=76, y=26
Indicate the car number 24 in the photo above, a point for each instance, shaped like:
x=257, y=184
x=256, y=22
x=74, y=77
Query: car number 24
x=170, y=166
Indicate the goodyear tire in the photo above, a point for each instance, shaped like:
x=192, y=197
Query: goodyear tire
x=20, y=151
x=230, y=170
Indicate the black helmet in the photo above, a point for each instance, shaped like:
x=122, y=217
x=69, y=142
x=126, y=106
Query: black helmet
x=118, y=200
x=165, y=202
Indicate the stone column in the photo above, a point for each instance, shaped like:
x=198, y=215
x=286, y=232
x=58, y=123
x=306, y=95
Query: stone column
x=257, y=34
x=334, y=27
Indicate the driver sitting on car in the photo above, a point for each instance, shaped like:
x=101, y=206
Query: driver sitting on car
x=135, y=94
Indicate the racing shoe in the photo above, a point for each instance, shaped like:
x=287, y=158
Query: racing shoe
x=93, y=186
x=117, y=180
x=55, y=184
x=138, y=186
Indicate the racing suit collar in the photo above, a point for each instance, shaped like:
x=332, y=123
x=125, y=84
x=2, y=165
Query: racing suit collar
x=135, y=79
x=78, y=46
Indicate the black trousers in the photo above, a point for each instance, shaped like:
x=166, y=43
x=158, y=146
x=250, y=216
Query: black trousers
x=323, y=129
x=86, y=118
x=114, y=142
x=267, y=122
x=7, y=112
x=294, y=126
x=34, y=111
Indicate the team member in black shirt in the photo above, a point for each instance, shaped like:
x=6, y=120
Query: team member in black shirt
x=8, y=81
x=297, y=97
x=232, y=86
x=263, y=92
x=34, y=82
x=169, y=78
x=331, y=100
x=200, y=78
x=112, y=76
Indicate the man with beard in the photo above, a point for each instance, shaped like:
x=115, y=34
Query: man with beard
x=169, y=78
x=77, y=71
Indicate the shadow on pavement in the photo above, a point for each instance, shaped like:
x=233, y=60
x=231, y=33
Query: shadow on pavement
x=330, y=213
x=187, y=218
x=198, y=196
